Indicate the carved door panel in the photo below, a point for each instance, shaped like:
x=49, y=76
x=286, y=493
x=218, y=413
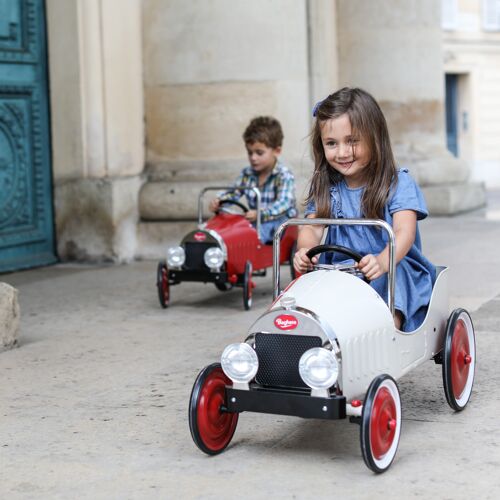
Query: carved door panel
x=26, y=217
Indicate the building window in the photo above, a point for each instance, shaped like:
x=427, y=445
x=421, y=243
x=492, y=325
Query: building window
x=449, y=14
x=491, y=15
x=451, y=107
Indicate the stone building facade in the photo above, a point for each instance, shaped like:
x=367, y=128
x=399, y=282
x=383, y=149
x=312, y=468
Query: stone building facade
x=471, y=45
x=148, y=101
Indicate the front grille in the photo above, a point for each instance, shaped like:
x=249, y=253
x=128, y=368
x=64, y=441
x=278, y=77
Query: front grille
x=194, y=255
x=279, y=357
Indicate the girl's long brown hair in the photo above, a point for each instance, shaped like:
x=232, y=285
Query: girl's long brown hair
x=367, y=121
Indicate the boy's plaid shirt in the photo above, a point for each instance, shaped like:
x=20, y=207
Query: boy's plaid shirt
x=277, y=193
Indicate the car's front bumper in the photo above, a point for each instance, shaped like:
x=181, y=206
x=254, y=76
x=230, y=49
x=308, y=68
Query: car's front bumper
x=285, y=402
x=177, y=276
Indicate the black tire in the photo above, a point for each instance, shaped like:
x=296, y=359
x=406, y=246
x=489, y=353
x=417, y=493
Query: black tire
x=162, y=284
x=247, y=286
x=380, y=424
x=211, y=430
x=223, y=286
x=459, y=359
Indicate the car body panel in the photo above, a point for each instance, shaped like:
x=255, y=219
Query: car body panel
x=357, y=320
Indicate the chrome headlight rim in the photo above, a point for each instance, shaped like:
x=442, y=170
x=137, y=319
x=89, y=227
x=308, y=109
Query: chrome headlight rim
x=319, y=368
x=239, y=362
x=176, y=257
x=214, y=258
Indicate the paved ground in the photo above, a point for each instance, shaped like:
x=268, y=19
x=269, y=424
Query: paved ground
x=94, y=401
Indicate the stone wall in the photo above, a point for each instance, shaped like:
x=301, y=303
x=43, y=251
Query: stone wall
x=97, y=126
x=170, y=86
x=209, y=68
x=393, y=49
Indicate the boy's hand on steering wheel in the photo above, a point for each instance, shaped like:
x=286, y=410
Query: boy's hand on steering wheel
x=214, y=205
x=301, y=262
x=372, y=266
x=251, y=215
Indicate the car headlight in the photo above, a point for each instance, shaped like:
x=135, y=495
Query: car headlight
x=176, y=256
x=214, y=258
x=239, y=362
x=319, y=368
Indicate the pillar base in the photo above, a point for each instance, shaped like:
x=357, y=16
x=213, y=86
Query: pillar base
x=96, y=219
x=451, y=199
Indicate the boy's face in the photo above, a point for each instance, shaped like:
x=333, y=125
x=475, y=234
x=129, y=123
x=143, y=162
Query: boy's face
x=262, y=158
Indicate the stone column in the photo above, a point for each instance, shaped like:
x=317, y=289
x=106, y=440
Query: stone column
x=393, y=49
x=210, y=67
x=97, y=125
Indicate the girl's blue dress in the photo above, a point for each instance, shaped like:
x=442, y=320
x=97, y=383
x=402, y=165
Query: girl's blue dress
x=415, y=275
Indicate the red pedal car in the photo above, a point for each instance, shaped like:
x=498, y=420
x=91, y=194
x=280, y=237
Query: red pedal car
x=226, y=250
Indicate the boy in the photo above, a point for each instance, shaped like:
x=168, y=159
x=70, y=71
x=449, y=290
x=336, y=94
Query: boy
x=263, y=140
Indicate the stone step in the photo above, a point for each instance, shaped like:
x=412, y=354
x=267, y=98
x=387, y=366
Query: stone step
x=153, y=238
x=451, y=199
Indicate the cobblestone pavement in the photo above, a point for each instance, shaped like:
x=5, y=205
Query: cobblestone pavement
x=94, y=401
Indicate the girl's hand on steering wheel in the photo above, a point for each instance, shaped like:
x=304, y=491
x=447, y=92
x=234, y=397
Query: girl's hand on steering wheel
x=372, y=266
x=301, y=262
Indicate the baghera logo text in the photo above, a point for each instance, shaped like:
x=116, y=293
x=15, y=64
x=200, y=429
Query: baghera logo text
x=286, y=322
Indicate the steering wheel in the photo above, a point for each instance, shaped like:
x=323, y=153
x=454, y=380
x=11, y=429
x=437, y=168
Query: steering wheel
x=312, y=252
x=233, y=202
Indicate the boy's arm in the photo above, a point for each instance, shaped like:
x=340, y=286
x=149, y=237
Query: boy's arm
x=285, y=198
x=241, y=180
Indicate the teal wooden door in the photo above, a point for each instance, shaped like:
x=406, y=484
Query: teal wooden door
x=26, y=215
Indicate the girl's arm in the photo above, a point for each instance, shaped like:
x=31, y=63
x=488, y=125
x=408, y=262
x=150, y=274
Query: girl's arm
x=309, y=236
x=404, y=224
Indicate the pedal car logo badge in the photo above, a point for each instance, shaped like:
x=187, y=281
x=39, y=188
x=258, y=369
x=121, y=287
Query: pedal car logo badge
x=286, y=322
x=199, y=236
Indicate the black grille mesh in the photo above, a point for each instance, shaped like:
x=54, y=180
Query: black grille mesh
x=279, y=357
x=194, y=255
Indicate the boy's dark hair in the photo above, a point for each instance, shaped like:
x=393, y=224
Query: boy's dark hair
x=265, y=129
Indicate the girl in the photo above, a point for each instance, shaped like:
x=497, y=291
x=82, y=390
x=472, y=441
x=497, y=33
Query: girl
x=355, y=176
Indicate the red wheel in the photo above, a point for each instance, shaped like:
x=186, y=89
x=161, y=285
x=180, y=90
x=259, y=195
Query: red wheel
x=163, y=284
x=247, y=286
x=212, y=427
x=459, y=359
x=380, y=424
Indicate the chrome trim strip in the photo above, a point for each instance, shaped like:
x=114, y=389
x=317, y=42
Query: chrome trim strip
x=327, y=335
x=219, y=240
x=214, y=234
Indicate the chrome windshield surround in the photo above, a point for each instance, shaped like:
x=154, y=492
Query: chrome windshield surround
x=256, y=190
x=339, y=222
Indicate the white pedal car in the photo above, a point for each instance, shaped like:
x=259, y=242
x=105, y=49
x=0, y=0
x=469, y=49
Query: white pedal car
x=327, y=348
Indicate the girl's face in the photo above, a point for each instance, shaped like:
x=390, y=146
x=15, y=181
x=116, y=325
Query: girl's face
x=347, y=152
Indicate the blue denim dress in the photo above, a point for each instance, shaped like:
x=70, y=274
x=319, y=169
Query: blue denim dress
x=415, y=275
